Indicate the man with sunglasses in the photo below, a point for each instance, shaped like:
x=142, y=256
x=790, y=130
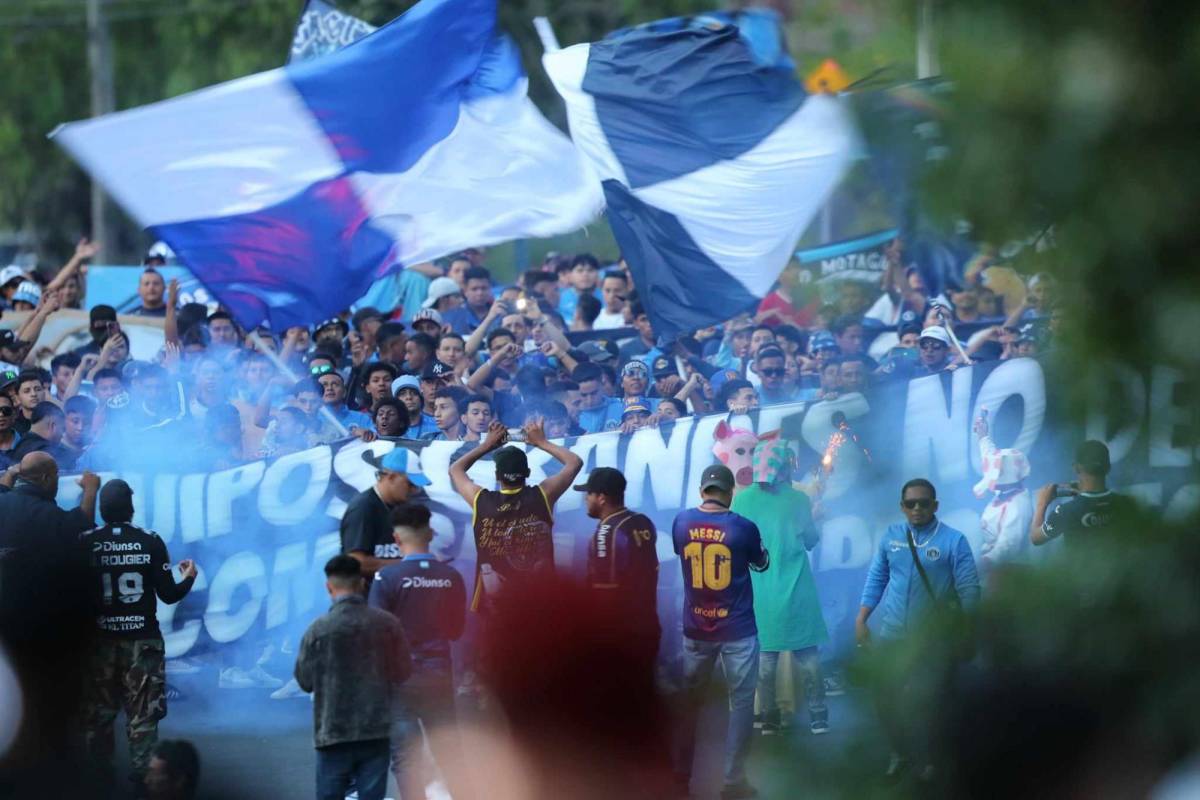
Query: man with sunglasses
x=919, y=565
x=934, y=346
x=770, y=365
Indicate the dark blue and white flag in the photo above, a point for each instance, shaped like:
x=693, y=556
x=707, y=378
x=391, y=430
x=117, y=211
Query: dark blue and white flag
x=289, y=192
x=323, y=29
x=712, y=163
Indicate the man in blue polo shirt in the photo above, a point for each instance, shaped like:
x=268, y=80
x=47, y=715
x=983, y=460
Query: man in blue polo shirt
x=717, y=549
x=429, y=598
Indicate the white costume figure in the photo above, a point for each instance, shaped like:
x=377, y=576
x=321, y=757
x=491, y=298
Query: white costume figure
x=1005, y=521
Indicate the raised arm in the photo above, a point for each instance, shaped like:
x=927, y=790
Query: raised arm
x=475, y=340
x=557, y=484
x=32, y=328
x=83, y=251
x=1037, y=526
x=497, y=435
x=171, y=321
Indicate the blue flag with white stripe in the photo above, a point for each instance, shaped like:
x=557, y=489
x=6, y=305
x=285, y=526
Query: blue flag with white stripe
x=712, y=163
x=289, y=192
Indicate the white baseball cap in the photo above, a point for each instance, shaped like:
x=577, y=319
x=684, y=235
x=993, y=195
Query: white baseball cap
x=29, y=292
x=429, y=314
x=11, y=273
x=441, y=287
x=938, y=333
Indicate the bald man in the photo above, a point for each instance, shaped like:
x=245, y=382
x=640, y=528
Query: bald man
x=46, y=616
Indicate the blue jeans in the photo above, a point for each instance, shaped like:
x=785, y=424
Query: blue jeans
x=806, y=670
x=424, y=702
x=739, y=659
x=360, y=764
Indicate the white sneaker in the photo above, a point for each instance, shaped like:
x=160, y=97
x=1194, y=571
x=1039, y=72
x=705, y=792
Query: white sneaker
x=238, y=678
x=182, y=666
x=288, y=691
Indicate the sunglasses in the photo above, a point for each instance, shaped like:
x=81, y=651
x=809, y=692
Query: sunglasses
x=321, y=369
x=932, y=344
x=921, y=503
x=7, y=411
x=772, y=372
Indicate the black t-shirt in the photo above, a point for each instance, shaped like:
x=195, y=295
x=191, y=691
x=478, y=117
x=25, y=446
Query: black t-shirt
x=513, y=539
x=132, y=570
x=367, y=527
x=622, y=567
x=428, y=597
x=1083, y=513
x=33, y=442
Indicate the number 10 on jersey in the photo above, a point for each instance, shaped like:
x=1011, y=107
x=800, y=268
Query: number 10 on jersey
x=711, y=563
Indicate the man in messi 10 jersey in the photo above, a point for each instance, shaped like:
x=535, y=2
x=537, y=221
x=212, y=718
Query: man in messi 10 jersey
x=717, y=549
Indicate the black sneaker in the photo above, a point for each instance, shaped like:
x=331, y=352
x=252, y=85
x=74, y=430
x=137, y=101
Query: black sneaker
x=835, y=686
x=770, y=729
x=819, y=726
x=737, y=791
x=759, y=719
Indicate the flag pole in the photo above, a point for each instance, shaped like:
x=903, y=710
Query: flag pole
x=546, y=34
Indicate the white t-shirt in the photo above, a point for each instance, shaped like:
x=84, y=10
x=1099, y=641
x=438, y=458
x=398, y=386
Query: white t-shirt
x=607, y=322
x=885, y=310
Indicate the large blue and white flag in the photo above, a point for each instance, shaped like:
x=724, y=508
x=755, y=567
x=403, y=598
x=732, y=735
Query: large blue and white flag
x=289, y=192
x=712, y=164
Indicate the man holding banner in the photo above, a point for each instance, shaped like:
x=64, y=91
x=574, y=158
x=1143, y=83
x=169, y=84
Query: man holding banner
x=513, y=523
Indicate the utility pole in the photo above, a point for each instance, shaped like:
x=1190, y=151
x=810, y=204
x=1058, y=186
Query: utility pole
x=100, y=69
x=927, y=60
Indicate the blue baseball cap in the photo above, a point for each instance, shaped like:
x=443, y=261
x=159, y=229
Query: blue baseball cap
x=399, y=459
x=406, y=382
x=633, y=405
x=821, y=340
x=722, y=377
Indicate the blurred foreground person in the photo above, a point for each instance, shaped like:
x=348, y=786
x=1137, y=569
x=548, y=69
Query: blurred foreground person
x=581, y=715
x=787, y=609
x=132, y=572
x=919, y=567
x=717, y=549
x=430, y=600
x=352, y=659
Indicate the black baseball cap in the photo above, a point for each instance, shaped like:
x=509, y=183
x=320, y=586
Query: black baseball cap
x=604, y=480
x=1092, y=455
x=663, y=367
x=511, y=464
x=599, y=351
x=717, y=476
x=436, y=369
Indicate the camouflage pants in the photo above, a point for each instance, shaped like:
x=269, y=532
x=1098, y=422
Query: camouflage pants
x=128, y=675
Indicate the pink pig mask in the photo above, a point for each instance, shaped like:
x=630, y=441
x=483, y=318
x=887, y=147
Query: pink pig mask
x=734, y=447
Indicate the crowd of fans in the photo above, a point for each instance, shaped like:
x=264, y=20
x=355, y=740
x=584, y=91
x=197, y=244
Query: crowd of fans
x=569, y=343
